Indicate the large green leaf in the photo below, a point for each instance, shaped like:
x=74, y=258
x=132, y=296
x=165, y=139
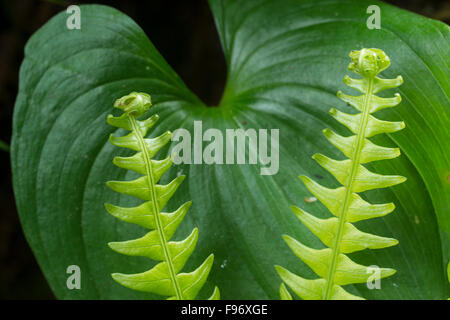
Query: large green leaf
x=286, y=61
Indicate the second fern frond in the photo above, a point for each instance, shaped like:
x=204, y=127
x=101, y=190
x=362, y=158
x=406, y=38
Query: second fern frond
x=338, y=233
x=165, y=278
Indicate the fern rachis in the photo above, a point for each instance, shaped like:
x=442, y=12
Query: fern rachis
x=154, y=201
x=338, y=233
x=164, y=278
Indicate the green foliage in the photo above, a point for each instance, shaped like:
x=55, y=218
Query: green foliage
x=338, y=233
x=285, y=62
x=284, y=293
x=164, y=278
x=448, y=274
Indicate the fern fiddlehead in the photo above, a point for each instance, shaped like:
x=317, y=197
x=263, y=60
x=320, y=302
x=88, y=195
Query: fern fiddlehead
x=338, y=233
x=164, y=278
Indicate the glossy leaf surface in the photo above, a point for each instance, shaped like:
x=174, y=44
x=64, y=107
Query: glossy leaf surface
x=285, y=62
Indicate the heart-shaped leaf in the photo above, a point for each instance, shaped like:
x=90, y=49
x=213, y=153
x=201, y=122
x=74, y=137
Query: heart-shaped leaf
x=286, y=61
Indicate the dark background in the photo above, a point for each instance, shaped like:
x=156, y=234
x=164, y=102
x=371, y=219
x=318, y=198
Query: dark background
x=185, y=35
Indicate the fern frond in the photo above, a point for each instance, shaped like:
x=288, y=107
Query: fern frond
x=284, y=293
x=331, y=264
x=165, y=278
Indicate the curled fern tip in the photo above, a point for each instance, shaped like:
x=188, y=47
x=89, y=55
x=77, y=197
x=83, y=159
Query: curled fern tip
x=135, y=103
x=368, y=62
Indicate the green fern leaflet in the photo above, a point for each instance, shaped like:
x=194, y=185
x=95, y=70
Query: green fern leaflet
x=163, y=279
x=341, y=237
